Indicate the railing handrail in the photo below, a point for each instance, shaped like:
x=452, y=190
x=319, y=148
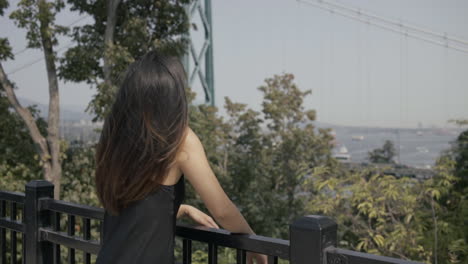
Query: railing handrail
x=60, y=206
x=76, y=242
x=221, y=237
x=16, y=197
x=340, y=255
x=11, y=224
x=312, y=238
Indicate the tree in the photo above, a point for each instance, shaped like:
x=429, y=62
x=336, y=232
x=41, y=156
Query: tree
x=454, y=201
x=262, y=158
x=423, y=220
x=37, y=17
x=459, y=153
x=123, y=31
x=384, y=154
x=16, y=145
x=18, y=158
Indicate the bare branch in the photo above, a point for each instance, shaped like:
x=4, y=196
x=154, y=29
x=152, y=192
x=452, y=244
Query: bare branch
x=28, y=119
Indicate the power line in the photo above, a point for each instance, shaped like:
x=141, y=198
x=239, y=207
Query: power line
x=71, y=24
x=431, y=36
x=26, y=65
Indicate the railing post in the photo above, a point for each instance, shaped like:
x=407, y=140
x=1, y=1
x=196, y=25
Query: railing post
x=37, y=252
x=309, y=236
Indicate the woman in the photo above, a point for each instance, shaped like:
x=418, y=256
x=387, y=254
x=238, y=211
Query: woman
x=145, y=152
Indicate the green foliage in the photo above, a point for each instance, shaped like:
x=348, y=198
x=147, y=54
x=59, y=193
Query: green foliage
x=140, y=26
x=5, y=49
x=30, y=14
x=78, y=174
x=19, y=162
x=399, y=217
x=459, y=153
x=460, y=122
x=15, y=141
x=14, y=177
x=274, y=164
x=384, y=154
x=3, y=5
x=261, y=159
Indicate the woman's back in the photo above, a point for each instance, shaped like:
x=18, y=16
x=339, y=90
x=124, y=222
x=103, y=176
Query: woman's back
x=144, y=137
x=144, y=231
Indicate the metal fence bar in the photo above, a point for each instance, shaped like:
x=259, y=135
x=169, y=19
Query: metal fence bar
x=2, y=234
x=101, y=231
x=62, y=238
x=56, y=227
x=241, y=257
x=212, y=253
x=7, y=223
x=23, y=239
x=86, y=236
x=186, y=251
x=338, y=255
x=272, y=260
x=13, y=237
x=72, y=208
x=71, y=233
x=224, y=238
x=16, y=197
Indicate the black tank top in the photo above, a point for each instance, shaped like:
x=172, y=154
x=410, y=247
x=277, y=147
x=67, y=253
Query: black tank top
x=143, y=233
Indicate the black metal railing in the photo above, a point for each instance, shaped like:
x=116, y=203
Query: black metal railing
x=11, y=222
x=37, y=217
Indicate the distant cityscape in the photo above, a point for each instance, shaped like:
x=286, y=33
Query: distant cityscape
x=416, y=147
x=84, y=131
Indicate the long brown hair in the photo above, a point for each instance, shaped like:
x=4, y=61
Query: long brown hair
x=143, y=131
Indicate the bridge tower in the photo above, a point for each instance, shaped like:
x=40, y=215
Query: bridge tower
x=199, y=63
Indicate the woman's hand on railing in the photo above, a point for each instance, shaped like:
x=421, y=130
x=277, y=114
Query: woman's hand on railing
x=259, y=258
x=197, y=216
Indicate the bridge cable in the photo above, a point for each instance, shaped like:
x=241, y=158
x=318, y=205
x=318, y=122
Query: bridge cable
x=330, y=70
x=446, y=89
x=429, y=36
x=368, y=88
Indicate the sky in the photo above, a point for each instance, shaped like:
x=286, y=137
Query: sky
x=360, y=75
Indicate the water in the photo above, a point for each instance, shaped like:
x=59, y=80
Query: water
x=416, y=150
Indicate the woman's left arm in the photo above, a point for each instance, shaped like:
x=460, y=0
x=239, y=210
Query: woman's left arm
x=197, y=215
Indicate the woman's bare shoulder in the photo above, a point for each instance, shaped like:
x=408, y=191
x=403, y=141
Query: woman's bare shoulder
x=190, y=145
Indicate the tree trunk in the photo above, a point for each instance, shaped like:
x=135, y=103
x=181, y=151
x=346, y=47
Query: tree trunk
x=49, y=148
x=109, y=38
x=53, y=139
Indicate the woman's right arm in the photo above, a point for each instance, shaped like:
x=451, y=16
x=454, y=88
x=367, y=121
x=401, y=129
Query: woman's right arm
x=194, y=165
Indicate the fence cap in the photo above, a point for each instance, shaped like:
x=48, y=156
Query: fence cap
x=314, y=222
x=39, y=184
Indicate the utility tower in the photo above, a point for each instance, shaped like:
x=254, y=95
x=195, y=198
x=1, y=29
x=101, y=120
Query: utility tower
x=199, y=63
